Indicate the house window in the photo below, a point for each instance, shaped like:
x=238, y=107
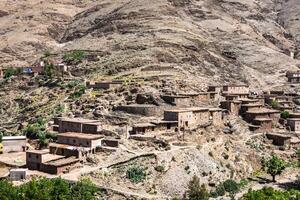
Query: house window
x=29, y=155
x=87, y=143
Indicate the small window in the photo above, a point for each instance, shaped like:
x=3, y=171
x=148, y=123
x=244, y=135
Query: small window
x=29, y=155
x=87, y=143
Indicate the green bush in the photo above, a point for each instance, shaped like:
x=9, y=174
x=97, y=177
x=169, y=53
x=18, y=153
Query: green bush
x=9, y=72
x=268, y=193
x=49, y=189
x=274, y=104
x=74, y=57
x=79, y=91
x=273, y=166
x=196, y=191
x=285, y=114
x=231, y=186
x=136, y=174
x=159, y=168
x=218, y=192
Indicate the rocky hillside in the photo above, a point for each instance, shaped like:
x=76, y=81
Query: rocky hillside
x=209, y=41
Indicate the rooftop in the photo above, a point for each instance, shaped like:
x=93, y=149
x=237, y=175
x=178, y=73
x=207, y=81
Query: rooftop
x=79, y=120
x=195, y=109
x=139, y=105
x=80, y=135
x=63, y=161
x=14, y=138
x=144, y=125
x=262, y=119
x=178, y=110
x=50, y=157
x=262, y=111
x=175, y=96
x=66, y=146
x=42, y=152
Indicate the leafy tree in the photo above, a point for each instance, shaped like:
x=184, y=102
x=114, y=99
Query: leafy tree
x=285, y=114
x=9, y=72
x=136, y=174
x=84, y=189
x=7, y=191
x=268, y=193
x=274, y=166
x=196, y=191
x=49, y=70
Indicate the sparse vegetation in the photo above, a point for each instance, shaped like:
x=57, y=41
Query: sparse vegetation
x=136, y=174
x=274, y=104
x=9, y=72
x=159, y=168
x=196, y=191
x=74, y=57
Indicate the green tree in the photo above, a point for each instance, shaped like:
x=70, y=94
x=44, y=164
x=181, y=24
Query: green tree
x=274, y=166
x=7, y=191
x=231, y=186
x=196, y=191
x=268, y=193
x=84, y=190
x=285, y=114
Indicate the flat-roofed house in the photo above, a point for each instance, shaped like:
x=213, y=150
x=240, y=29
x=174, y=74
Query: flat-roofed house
x=216, y=116
x=201, y=115
x=105, y=85
x=233, y=106
x=294, y=124
x=143, y=128
x=14, y=143
x=236, y=89
x=177, y=100
x=250, y=115
x=141, y=109
x=248, y=107
x=78, y=125
x=261, y=125
x=293, y=77
x=184, y=118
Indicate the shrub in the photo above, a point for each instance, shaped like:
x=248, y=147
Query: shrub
x=74, y=57
x=219, y=191
x=136, y=174
x=195, y=191
x=231, y=186
x=268, y=193
x=274, y=104
x=79, y=91
x=9, y=72
x=159, y=168
x=285, y=114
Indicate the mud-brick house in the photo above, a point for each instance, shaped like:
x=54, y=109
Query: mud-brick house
x=279, y=139
x=293, y=77
x=185, y=118
x=216, y=116
x=14, y=144
x=177, y=100
x=251, y=115
x=141, y=109
x=78, y=125
x=261, y=125
x=201, y=115
x=233, y=106
x=143, y=128
x=293, y=124
x=42, y=160
x=236, y=89
x=105, y=85
x=248, y=107
x=72, y=144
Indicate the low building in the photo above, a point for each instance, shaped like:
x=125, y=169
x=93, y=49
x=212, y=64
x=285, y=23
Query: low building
x=248, y=107
x=80, y=139
x=293, y=124
x=42, y=160
x=236, y=89
x=105, y=85
x=17, y=174
x=35, y=70
x=201, y=115
x=251, y=115
x=293, y=77
x=14, y=144
x=79, y=125
x=216, y=116
x=184, y=118
x=177, y=100
x=233, y=106
x=143, y=128
x=279, y=139
x=261, y=125
x=141, y=109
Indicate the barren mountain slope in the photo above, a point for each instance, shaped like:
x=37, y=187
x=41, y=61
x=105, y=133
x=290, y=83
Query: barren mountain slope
x=223, y=39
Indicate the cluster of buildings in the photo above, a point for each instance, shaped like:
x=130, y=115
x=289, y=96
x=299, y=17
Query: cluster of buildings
x=76, y=139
